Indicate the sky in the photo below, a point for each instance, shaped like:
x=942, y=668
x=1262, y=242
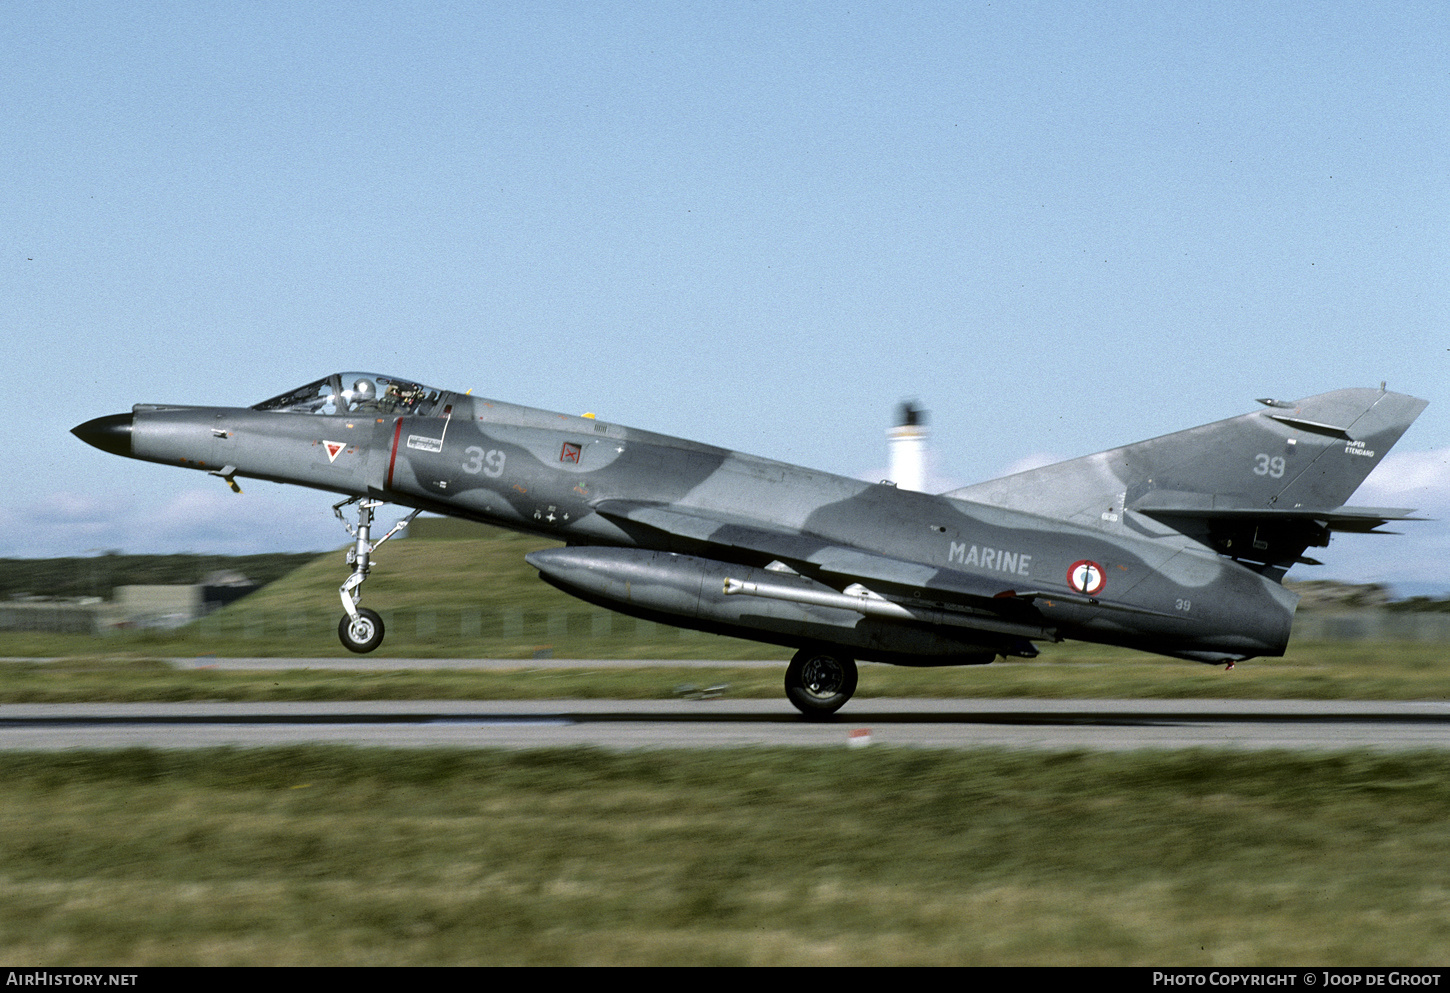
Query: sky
x=1060, y=227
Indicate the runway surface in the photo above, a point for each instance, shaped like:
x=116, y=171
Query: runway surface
x=1113, y=725
x=370, y=664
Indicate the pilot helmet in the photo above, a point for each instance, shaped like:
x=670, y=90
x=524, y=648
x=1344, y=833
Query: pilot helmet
x=363, y=390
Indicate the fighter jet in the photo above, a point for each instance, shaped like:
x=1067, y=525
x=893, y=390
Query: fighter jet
x=1176, y=545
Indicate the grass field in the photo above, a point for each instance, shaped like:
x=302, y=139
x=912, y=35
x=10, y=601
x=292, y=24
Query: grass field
x=1360, y=671
x=870, y=856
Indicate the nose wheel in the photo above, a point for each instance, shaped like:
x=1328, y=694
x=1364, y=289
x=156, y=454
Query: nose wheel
x=361, y=630
x=362, y=633
x=819, y=681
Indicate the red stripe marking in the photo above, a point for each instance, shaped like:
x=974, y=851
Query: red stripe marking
x=397, y=433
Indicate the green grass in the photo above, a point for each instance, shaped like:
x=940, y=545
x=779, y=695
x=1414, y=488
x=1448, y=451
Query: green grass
x=464, y=598
x=1361, y=671
x=806, y=856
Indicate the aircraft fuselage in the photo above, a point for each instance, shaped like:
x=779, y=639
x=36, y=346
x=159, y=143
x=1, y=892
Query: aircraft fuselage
x=696, y=516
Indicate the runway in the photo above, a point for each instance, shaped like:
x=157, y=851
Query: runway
x=1107, y=725
x=371, y=664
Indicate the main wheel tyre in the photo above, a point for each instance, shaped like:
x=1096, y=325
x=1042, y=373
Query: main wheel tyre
x=363, y=633
x=819, y=683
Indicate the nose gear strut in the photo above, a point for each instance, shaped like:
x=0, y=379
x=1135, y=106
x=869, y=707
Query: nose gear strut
x=361, y=630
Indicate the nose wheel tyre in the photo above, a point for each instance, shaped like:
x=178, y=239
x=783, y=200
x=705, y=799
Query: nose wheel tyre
x=819, y=683
x=363, y=633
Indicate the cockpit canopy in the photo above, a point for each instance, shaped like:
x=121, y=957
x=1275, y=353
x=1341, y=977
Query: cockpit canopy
x=356, y=393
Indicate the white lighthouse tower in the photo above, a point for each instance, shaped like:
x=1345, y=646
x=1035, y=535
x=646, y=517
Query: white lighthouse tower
x=907, y=442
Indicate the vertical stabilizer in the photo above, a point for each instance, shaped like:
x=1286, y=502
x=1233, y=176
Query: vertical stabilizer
x=1302, y=456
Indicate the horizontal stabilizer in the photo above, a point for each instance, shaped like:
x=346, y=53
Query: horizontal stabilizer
x=1361, y=520
x=1276, y=538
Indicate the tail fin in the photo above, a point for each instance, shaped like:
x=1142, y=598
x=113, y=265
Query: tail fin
x=1261, y=487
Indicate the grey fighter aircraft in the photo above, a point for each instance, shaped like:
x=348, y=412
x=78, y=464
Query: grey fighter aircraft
x=1175, y=545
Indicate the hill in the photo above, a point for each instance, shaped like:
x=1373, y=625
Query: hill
x=450, y=592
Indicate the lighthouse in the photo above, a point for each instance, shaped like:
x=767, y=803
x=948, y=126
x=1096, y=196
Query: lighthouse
x=907, y=443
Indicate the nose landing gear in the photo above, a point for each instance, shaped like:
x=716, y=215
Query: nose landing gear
x=361, y=633
x=361, y=630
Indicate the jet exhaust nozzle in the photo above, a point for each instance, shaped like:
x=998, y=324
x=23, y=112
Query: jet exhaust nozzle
x=109, y=434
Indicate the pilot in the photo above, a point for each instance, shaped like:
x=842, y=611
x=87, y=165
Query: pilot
x=363, y=394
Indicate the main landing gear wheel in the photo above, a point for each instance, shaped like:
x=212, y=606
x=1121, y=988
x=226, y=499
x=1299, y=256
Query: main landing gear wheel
x=362, y=633
x=818, y=682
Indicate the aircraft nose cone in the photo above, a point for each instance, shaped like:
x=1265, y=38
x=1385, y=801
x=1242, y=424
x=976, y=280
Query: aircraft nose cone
x=109, y=434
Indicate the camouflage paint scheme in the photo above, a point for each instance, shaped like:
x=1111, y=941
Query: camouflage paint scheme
x=1175, y=545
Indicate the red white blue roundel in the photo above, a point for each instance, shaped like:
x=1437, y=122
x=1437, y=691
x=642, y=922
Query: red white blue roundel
x=1087, y=577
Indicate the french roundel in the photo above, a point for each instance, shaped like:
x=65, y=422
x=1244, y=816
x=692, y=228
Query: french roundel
x=1086, y=576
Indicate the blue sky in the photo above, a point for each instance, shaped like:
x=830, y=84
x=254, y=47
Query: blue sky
x=1062, y=227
